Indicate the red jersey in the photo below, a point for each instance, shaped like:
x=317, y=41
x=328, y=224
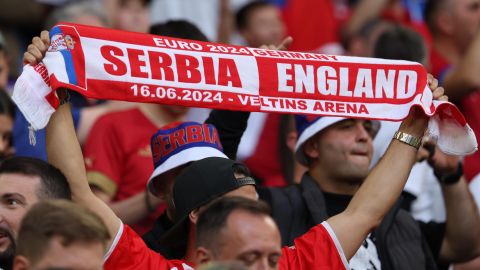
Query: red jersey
x=469, y=105
x=118, y=158
x=317, y=249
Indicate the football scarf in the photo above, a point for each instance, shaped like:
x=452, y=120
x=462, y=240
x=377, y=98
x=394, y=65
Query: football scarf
x=116, y=65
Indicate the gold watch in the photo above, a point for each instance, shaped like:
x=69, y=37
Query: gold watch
x=408, y=139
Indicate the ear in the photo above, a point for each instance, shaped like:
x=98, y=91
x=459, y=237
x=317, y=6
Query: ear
x=357, y=46
x=310, y=148
x=203, y=256
x=20, y=263
x=193, y=216
x=444, y=22
x=291, y=140
x=246, y=35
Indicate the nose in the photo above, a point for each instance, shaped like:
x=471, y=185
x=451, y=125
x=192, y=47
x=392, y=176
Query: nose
x=362, y=132
x=262, y=265
x=3, y=144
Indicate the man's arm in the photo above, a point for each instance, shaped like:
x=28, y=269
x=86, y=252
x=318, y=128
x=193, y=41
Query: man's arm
x=133, y=209
x=363, y=12
x=63, y=149
x=64, y=152
x=461, y=240
x=463, y=79
x=230, y=126
x=462, y=236
x=383, y=185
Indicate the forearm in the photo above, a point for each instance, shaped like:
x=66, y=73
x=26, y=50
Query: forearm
x=379, y=192
x=63, y=151
x=230, y=126
x=464, y=79
x=363, y=12
x=226, y=22
x=391, y=174
x=135, y=208
x=462, y=236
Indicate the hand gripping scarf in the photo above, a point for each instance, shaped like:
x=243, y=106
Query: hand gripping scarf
x=110, y=64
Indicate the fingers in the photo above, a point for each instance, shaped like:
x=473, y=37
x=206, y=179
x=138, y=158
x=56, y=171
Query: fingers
x=37, y=49
x=28, y=58
x=40, y=44
x=430, y=77
x=433, y=83
x=438, y=92
x=422, y=154
x=286, y=42
x=45, y=37
x=280, y=47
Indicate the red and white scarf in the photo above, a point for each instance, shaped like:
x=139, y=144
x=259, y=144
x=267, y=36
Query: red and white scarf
x=110, y=64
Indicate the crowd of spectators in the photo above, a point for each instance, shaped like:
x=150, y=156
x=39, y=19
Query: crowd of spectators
x=93, y=193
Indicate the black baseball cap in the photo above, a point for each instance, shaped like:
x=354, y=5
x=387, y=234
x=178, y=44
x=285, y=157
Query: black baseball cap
x=198, y=184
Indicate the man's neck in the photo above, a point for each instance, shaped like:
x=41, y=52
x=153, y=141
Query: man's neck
x=336, y=186
x=157, y=115
x=447, y=48
x=191, y=243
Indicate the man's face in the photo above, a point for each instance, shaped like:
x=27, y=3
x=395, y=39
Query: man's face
x=4, y=69
x=342, y=151
x=6, y=127
x=74, y=256
x=251, y=239
x=465, y=18
x=133, y=16
x=17, y=194
x=175, y=111
x=264, y=27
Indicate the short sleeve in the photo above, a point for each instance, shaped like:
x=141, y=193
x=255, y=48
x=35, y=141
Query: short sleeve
x=103, y=156
x=130, y=252
x=319, y=248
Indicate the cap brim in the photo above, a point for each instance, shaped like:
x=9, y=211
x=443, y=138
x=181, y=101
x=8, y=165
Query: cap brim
x=182, y=158
x=309, y=132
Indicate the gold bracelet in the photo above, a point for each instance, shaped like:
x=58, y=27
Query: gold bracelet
x=408, y=139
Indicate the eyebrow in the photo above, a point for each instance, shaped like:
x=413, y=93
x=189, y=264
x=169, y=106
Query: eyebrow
x=13, y=194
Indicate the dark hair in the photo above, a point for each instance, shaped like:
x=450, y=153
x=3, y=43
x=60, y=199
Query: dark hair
x=6, y=105
x=224, y=265
x=73, y=9
x=53, y=184
x=243, y=14
x=214, y=218
x=71, y=222
x=143, y=2
x=287, y=158
x=431, y=9
x=178, y=29
x=239, y=168
x=400, y=43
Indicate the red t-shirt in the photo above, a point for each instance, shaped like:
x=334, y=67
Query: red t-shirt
x=317, y=249
x=118, y=157
x=469, y=105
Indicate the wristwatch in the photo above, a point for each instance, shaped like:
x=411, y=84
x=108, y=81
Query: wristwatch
x=408, y=139
x=450, y=178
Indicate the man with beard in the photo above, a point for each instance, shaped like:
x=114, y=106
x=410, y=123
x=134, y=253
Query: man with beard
x=24, y=182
